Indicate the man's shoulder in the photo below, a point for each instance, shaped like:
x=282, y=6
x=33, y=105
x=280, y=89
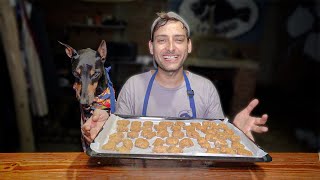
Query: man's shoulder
x=140, y=76
x=202, y=83
x=198, y=77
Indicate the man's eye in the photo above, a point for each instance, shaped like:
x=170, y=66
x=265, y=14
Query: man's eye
x=161, y=40
x=179, y=40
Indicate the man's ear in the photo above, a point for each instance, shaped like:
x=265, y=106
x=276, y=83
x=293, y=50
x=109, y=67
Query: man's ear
x=150, y=47
x=189, y=46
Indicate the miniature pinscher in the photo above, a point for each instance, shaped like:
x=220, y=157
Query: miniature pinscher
x=92, y=84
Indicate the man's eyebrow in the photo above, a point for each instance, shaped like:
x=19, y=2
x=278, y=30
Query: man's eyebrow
x=161, y=36
x=178, y=35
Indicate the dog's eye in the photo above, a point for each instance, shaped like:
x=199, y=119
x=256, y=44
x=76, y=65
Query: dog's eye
x=95, y=75
x=76, y=74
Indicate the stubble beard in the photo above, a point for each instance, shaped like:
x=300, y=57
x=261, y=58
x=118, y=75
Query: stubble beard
x=169, y=69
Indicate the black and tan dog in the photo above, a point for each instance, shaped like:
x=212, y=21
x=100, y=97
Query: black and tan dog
x=92, y=84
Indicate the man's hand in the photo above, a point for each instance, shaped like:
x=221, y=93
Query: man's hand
x=247, y=123
x=93, y=125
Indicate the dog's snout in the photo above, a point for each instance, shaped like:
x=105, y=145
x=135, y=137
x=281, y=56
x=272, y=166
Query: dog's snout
x=86, y=92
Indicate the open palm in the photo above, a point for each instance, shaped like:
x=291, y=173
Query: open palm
x=247, y=123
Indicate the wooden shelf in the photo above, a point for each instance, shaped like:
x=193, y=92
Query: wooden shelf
x=79, y=26
x=230, y=63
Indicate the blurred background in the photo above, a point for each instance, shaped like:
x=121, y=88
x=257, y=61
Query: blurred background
x=265, y=49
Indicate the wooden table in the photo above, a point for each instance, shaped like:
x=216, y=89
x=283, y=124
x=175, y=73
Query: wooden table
x=78, y=165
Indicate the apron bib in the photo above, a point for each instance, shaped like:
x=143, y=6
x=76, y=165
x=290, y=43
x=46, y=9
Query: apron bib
x=190, y=94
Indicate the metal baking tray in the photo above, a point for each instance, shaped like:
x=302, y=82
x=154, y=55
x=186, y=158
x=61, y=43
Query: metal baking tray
x=259, y=155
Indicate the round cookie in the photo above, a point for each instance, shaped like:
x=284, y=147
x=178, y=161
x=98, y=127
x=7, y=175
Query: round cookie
x=172, y=140
x=141, y=143
x=186, y=142
x=160, y=149
x=175, y=149
x=158, y=142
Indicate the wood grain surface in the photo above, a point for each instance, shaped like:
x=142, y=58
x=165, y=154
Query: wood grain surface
x=78, y=165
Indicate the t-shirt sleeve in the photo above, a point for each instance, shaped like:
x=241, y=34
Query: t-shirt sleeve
x=214, y=110
x=124, y=102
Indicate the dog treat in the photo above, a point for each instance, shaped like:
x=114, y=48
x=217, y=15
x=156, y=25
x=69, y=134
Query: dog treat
x=123, y=122
x=127, y=143
x=158, y=142
x=189, y=128
x=165, y=123
x=186, y=142
x=206, y=123
x=213, y=150
x=176, y=128
x=193, y=134
x=220, y=143
x=172, y=140
x=163, y=133
x=175, y=137
x=146, y=128
x=142, y=143
x=110, y=145
x=202, y=128
x=201, y=140
x=205, y=145
x=148, y=134
x=243, y=151
x=123, y=149
x=160, y=149
x=175, y=149
x=116, y=137
x=136, y=123
x=237, y=146
x=180, y=123
x=160, y=127
x=227, y=150
x=179, y=134
x=234, y=138
x=136, y=128
x=122, y=128
x=133, y=134
x=197, y=125
x=148, y=124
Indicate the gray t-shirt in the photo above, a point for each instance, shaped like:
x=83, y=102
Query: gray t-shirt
x=169, y=102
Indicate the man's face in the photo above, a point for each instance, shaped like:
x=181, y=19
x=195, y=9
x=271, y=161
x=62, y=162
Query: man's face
x=170, y=46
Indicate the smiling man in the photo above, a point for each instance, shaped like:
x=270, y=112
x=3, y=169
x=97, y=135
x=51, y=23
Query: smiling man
x=169, y=90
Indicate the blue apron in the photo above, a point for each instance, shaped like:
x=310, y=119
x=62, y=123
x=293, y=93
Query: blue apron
x=190, y=94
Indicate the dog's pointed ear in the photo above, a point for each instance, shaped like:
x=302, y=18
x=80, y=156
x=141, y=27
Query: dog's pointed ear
x=103, y=50
x=69, y=50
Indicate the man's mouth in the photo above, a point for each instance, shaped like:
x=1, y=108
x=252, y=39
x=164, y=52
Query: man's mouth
x=170, y=58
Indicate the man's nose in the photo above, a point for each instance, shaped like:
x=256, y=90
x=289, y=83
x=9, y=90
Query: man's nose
x=171, y=46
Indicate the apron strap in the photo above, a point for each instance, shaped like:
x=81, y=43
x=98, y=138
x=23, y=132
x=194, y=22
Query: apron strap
x=190, y=94
x=146, y=97
x=112, y=94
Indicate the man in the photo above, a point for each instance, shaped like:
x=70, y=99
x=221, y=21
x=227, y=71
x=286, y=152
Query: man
x=169, y=90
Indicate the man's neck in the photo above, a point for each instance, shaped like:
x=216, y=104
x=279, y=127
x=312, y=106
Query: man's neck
x=170, y=79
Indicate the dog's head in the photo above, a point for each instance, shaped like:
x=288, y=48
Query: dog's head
x=87, y=68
